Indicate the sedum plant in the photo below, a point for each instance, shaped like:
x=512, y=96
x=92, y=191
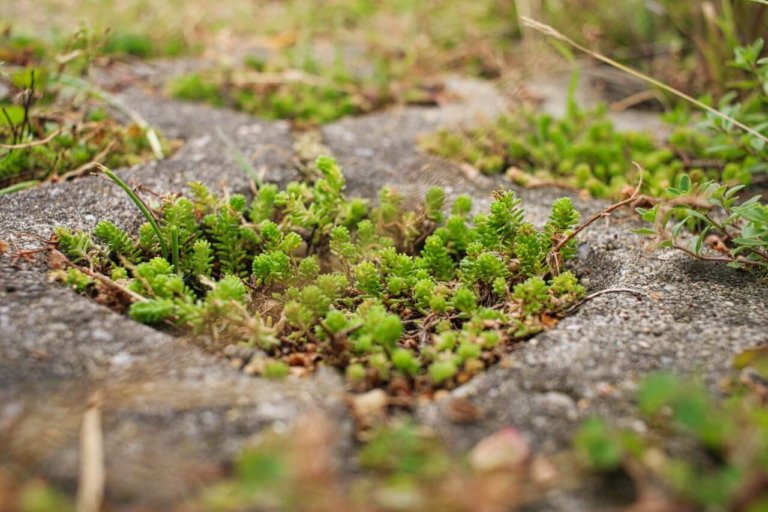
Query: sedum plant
x=585, y=150
x=407, y=300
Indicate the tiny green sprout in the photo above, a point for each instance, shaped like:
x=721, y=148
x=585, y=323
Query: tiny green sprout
x=275, y=369
x=405, y=361
x=532, y=294
x=73, y=278
x=597, y=446
x=355, y=372
x=464, y=300
x=152, y=311
x=442, y=371
x=462, y=206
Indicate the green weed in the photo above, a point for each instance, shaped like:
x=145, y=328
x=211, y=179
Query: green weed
x=585, y=150
x=726, y=441
x=727, y=230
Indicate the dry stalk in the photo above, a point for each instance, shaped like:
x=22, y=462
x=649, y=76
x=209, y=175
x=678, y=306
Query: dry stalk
x=91, y=480
x=552, y=32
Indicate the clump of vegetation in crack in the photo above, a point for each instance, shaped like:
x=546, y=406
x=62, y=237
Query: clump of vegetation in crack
x=50, y=131
x=700, y=452
x=302, y=89
x=584, y=150
x=407, y=300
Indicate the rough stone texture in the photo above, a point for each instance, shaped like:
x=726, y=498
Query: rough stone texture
x=170, y=412
x=169, y=406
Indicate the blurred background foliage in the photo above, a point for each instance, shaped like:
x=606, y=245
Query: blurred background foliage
x=686, y=43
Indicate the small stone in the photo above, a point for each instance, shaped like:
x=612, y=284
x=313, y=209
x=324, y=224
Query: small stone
x=370, y=408
x=507, y=449
x=254, y=367
x=543, y=472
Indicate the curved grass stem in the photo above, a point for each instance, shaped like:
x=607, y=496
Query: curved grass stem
x=139, y=204
x=552, y=32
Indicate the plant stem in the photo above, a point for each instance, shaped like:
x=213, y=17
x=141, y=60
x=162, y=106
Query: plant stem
x=637, y=293
x=175, y=248
x=603, y=213
x=33, y=143
x=550, y=31
x=138, y=202
x=17, y=187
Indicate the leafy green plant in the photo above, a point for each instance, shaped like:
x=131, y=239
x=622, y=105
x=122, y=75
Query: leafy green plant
x=725, y=440
x=407, y=300
x=727, y=230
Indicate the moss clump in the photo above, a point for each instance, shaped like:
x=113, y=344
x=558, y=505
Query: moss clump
x=407, y=300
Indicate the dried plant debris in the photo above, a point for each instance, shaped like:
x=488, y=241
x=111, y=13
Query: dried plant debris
x=405, y=300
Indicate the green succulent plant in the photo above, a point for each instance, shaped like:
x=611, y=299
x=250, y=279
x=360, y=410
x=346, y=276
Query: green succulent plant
x=400, y=299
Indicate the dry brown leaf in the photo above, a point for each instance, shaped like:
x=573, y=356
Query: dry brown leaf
x=57, y=260
x=461, y=410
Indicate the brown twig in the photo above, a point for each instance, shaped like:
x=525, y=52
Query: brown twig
x=33, y=143
x=554, y=258
x=135, y=297
x=87, y=167
x=591, y=296
x=713, y=258
x=602, y=214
